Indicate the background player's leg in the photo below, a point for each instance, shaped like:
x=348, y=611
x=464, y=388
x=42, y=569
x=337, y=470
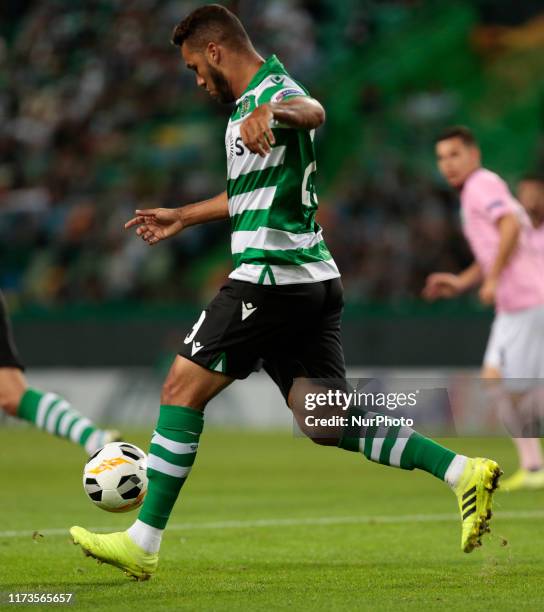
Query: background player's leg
x=517, y=414
x=516, y=351
x=49, y=412
x=174, y=444
x=46, y=411
x=529, y=451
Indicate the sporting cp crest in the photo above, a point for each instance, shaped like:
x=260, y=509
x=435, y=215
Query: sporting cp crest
x=244, y=106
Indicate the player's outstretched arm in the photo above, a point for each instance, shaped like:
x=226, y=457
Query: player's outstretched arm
x=446, y=285
x=301, y=113
x=156, y=224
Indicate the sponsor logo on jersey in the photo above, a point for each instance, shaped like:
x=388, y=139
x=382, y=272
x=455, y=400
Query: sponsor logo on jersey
x=239, y=144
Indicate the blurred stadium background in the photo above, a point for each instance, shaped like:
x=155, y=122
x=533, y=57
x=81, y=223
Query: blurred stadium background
x=98, y=117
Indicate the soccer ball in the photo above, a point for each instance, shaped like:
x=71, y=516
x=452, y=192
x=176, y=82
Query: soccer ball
x=115, y=477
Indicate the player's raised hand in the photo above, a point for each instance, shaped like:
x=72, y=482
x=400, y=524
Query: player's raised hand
x=441, y=285
x=256, y=132
x=156, y=224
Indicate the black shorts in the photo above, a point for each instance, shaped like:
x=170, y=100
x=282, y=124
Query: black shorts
x=289, y=330
x=8, y=354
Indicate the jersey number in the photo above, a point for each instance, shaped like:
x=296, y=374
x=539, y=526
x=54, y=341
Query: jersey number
x=196, y=327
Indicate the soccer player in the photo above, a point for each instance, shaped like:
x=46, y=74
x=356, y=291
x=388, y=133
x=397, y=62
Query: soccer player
x=282, y=303
x=530, y=193
x=510, y=272
x=46, y=411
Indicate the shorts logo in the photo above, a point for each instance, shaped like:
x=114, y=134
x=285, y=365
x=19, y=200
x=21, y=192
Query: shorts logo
x=195, y=348
x=247, y=310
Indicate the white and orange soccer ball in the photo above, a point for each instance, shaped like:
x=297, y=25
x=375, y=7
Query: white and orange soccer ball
x=115, y=477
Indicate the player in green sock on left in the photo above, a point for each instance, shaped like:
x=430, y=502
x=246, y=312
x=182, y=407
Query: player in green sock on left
x=47, y=411
x=52, y=413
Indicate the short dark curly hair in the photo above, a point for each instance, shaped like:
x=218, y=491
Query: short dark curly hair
x=458, y=131
x=211, y=23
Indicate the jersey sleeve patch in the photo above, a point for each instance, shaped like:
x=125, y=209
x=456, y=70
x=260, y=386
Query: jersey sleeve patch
x=280, y=87
x=284, y=94
x=497, y=208
x=494, y=205
x=491, y=196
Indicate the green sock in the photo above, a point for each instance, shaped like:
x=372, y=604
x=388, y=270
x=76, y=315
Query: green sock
x=399, y=447
x=171, y=455
x=54, y=414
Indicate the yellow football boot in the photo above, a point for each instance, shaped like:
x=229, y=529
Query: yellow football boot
x=117, y=549
x=524, y=479
x=474, y=493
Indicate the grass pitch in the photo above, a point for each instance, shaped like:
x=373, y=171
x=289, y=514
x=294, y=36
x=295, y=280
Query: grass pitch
x=269, y=522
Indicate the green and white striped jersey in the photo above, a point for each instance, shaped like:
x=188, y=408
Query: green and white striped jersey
x=272, y=200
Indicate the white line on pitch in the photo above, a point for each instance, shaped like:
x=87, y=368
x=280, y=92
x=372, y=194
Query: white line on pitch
x=293, y=522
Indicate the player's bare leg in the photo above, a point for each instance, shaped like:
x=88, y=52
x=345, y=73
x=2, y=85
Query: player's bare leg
x=189, y=384
x=530, y=474
x=49, y=412
x=187, y=389
x=12, y=388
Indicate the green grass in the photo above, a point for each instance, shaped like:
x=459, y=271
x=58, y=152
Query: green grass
x=245, y=476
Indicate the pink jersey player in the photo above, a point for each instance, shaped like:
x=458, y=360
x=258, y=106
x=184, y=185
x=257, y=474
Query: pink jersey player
x=485, y=198
x=508, y=269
